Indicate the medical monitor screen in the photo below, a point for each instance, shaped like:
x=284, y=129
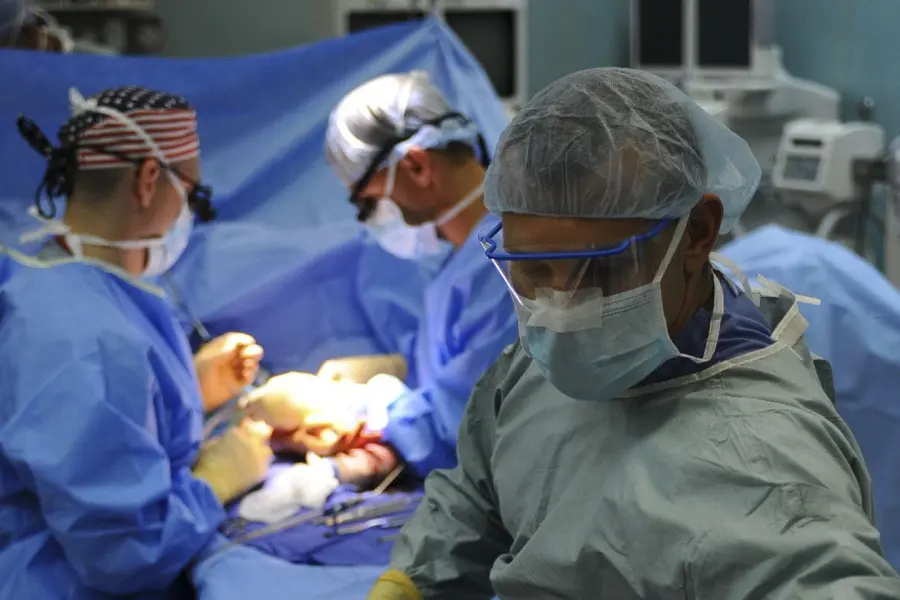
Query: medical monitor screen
x=724, y=34
x=660, y=31
x=801, y=168
x=361, y=20
x=490, y=35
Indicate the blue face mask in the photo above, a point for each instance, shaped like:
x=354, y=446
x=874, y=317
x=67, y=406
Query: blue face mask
x=595, y=348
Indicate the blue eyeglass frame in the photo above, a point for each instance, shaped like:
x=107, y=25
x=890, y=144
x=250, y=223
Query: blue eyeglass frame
x=490, y=246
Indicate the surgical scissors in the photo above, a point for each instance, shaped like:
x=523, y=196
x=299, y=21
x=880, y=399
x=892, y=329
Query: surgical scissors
x=382, y=509
x=325, y=517
x=380, y=523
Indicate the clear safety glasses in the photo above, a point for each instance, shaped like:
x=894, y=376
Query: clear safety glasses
x=557, y=276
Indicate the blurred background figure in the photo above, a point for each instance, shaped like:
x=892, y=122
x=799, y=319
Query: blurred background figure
x=87, y=27
x=26, y=27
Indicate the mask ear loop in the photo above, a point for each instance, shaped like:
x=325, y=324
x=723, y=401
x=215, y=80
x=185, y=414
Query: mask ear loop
x=389, y=182
x=460, y=206
x=718, y=312
x=670, y=252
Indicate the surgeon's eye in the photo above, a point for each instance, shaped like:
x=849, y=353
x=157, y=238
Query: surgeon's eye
x=532, y=270
x=614, y=275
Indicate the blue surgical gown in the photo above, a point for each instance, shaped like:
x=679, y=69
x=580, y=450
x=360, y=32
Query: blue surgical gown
x=467, y=322
x=100, y=424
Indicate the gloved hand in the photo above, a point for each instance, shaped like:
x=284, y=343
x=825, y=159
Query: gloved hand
x=360, y=369
x=365, y=467
x=236, y=461
x=225, y=366
x=302, y=401
x=394, y=585
x=323, y=439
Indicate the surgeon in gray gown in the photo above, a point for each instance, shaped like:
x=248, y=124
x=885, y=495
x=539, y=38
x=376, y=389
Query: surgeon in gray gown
x=658, y=431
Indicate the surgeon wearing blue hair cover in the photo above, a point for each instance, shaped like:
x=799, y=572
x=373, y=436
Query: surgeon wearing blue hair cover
x=658, y=431
x=415, y=169
x=105, y=490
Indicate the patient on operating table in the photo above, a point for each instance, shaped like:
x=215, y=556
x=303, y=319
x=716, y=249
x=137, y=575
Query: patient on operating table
x=341, y=420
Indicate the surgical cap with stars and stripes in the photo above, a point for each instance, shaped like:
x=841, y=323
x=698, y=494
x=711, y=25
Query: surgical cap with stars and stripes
x=101, y=141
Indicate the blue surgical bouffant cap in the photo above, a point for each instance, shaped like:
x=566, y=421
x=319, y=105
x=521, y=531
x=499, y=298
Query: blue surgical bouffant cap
x=615, y=144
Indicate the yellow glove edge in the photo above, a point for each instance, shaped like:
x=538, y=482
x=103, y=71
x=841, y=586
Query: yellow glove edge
x=393, y=577
x=223, y=493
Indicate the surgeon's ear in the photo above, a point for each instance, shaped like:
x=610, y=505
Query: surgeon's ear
x=418, y=165
x=702, y=233
x=145, y=182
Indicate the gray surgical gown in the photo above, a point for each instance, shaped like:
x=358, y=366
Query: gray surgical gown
x=741, y=482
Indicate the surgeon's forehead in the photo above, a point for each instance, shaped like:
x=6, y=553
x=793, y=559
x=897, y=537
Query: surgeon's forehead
x=530, y=233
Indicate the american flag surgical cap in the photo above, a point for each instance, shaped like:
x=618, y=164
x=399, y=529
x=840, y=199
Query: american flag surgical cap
x=103, y=141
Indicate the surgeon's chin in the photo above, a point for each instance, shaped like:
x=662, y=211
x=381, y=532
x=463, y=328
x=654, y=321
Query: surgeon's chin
x=415, y=217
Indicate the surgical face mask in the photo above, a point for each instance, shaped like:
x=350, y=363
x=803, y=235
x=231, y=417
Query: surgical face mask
x=410, y=242
x=163, y=255
x=592, y=347
x=162, y=252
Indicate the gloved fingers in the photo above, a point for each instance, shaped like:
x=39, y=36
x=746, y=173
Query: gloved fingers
x=384, y=457
x=322, y=441
x=231, y=341
x=355, y=467
x=257, y=429
x=394, y=585
x=248, y=371
x=326, y=436
x=250, y=352
x=248, y=356
x=234, y=462
x=246, y=363
x=255, y=444
x=364, y=467
x=354, y=438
